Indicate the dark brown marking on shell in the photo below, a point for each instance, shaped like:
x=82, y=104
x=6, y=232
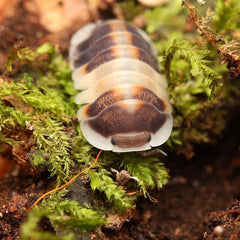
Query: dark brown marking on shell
x=112, y=96
x=119, y=52
x=104, y=29
x=146, y=95
x=131, y=141
x=101, y=58
x=110, y=40
x=118, y=119
x=103, y=101
x=97, y=33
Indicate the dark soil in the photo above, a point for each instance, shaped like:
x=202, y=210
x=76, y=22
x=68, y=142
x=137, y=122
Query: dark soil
x=17, y=31
x=201, y=201
x=17, y=193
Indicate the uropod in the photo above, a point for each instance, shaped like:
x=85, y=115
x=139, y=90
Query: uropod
x=125, y=104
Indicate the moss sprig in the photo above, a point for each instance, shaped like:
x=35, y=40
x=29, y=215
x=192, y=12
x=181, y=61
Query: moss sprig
x=148, y=173
x=69, y=214
x=101, y=181
x=45, y=114
x=227, y=44
x=226, y=17
x=68, y=219
x=195, y=68
x=29, y=227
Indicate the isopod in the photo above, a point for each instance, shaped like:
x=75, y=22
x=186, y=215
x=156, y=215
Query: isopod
x=124, y=98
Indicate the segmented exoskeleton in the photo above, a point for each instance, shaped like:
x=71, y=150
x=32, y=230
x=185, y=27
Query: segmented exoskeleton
x=126, y=102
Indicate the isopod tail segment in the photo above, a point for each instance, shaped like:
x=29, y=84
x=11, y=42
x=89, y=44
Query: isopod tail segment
x=124, y=101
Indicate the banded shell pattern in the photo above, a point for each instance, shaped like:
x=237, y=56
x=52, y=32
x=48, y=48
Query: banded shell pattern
x=125, y=105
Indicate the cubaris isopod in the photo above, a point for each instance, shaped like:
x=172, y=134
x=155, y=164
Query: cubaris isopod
x=125, y=104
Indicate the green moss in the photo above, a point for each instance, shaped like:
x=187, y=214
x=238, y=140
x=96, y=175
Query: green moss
x=165, y=18
x=101, y=180
x=194, y=68
x=226, y=17
x=46, y=114
x=130, y=9
x=148, y=173
x=29, y=228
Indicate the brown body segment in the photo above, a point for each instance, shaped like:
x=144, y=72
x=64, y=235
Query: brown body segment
x=119, y=51
x=104, y=29
x=115, y=95
x=108, y=41
x=128, y=117
x=150, y=97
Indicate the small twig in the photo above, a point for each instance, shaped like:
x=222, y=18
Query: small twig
x=198, y=25
x=205, y=31
x=152, y=199
x=223, y=213
x=66, y=184
x=229, y=50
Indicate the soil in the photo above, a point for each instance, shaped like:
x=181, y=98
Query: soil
x=201, y=200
